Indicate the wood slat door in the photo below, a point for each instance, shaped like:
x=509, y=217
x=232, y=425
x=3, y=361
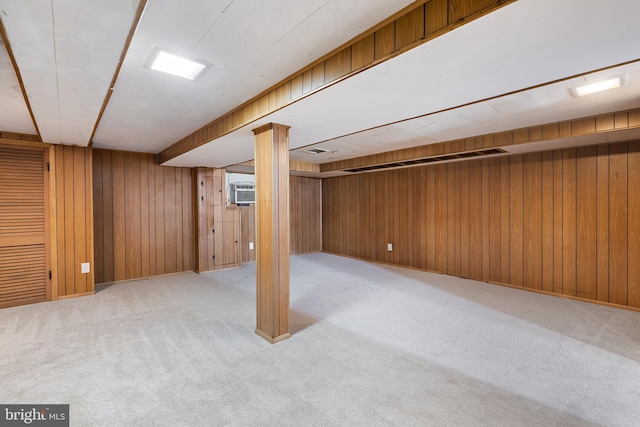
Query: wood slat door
x=22, y=226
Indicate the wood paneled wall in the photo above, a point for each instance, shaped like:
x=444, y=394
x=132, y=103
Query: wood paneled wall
x=566, y=222
x=305, y=195
x=143, y=217
x=73, y=221
x=217, y=225
x=305, y=214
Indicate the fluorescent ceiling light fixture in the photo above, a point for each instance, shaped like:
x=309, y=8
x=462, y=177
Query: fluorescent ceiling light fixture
x=598, y=87
x=181, y=67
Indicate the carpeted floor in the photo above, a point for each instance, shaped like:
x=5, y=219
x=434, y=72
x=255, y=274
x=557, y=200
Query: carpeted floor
x=372, y=345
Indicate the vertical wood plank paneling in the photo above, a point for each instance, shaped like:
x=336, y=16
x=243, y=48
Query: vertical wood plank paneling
x=495, y=220
x=170, y=209
x=564, y=222
x=210, y=221
x=557, y=222
x=107, y=217
x=74, y=220
x=69, y=222
x=547, y=221
x=410, y=27
x=98, y=209
x=618, y=230
x=89, y=221
x=153, y=266
x=464, y=219
x=431, y=217
x=457, y=219
x=132, y=208
x=133, y=218
x=362, y=52
x=569, y=236
x=475, y=209
x=385, y=40
x=395, y=217
x=160, y=216
x=451, y=218
x=602, y=223
x=505, y=221
x=516, y=212
x=178, y=222
x=486, y=218
x=532, y=237
x=60, y=221
x=633, y=255
x=436, y=16
x=119, y=220
x=79, y=214
x=145, y=244
x=442, y=212
x=462, y=8
x=586, y=251
x=184, y=200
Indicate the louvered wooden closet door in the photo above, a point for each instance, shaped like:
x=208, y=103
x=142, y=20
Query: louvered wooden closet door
x=22, y=227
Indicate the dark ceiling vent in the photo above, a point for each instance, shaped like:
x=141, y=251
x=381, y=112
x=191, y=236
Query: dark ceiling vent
x=458, y=156
x=317, y=151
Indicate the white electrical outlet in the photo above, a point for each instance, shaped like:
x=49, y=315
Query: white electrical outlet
x=250, y=246
x=389, y=247
x=85, y=268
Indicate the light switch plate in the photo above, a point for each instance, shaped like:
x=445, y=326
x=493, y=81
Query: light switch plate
x=389, y=247
x=250, y=245
x=85, y=268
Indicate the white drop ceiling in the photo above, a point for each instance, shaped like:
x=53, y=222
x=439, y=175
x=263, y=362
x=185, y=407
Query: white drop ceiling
x=451, y=87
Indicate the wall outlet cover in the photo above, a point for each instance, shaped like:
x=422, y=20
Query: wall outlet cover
x=389, y=247
x=85, y=268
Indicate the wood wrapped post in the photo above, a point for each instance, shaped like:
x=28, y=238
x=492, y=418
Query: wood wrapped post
x=272, y=231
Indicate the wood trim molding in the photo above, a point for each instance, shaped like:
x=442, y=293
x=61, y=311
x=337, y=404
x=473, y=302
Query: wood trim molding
x=414, y=25
x=125, y=49
x=7, y=138
x=294, y=166
x=613, y=122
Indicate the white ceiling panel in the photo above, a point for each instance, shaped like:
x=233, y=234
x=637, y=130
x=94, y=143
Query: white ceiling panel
x=251, y=45
x=67, y=52
x=14, y=114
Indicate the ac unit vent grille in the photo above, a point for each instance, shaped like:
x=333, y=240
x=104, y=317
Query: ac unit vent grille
x=457, y=156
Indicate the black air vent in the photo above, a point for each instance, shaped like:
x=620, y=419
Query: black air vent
x=458, y=156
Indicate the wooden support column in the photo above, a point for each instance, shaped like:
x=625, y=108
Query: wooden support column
x=272, y=231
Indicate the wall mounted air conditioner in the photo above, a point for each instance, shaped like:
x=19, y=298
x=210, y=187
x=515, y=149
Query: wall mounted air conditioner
x=242, y=193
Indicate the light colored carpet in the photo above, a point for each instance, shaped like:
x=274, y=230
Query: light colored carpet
x=371, y=345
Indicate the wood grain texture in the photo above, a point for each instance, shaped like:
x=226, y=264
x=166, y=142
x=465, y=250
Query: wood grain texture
x=552, y=131
x=75, y=224
x=586, y=210
x=564, y=222
x=547, y=207
x=142, y=220
x=410, y=28
x=618, y=226
x=272, y=228
x=532, y=212
x=569, y=236
x=633, y=280
x=24, y=219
